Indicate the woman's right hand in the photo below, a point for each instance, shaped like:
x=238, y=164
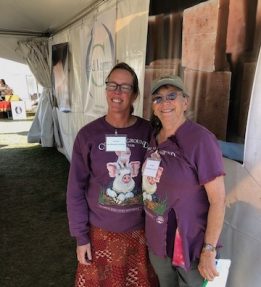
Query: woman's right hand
x=84, y=254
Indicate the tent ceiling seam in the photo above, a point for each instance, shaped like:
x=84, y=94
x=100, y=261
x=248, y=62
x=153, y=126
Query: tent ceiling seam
x=78, y=17
x=23, y=33
x=50, y=33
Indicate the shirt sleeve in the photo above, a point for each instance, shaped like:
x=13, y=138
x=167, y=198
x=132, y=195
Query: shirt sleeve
x=208, y=158
x=77, y=207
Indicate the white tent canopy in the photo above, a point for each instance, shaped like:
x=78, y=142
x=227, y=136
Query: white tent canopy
x=21, y=19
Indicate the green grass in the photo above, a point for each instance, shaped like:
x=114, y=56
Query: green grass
x=36, y=249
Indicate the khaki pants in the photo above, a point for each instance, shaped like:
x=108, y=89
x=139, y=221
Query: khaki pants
x=170, y=276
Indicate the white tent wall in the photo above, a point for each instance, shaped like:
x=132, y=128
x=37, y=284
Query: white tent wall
x=130, y=24
x=241, y=234
x=70, y=123
x=252, y=156
x=35, y=52
x=131, y=39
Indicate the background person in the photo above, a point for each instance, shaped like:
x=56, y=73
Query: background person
x=4, y=89
x=104, y=197
x=184, y=194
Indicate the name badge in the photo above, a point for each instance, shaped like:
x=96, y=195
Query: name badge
x=116, y=142
x=151, y=167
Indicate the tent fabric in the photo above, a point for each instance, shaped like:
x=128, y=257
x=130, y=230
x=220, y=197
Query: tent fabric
x=36, y=54
x=252, y=156
x=57, y=132
x=130, y=46
x=242, y=229
x=41, y=130
x=24, y=19
x=9, y=46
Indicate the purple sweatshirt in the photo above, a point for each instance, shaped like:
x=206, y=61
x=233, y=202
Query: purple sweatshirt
x=104, y=188
x=189, y=159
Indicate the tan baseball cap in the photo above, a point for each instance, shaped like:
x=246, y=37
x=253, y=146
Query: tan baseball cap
x=172, y=80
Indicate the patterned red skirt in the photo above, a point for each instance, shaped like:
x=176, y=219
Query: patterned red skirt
x=119, y=260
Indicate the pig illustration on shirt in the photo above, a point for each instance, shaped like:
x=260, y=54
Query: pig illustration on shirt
x=149, y=185
x=123, y=172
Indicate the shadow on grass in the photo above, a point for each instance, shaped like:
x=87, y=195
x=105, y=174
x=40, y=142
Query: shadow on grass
x=35, y=246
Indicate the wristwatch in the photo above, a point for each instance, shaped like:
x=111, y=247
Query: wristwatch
x=208, y=247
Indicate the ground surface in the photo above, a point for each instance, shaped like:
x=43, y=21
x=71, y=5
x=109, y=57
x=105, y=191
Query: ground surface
x=35, y=246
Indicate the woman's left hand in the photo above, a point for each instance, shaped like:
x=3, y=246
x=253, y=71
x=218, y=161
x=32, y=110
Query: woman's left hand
x=216, y=195
x=207, y=265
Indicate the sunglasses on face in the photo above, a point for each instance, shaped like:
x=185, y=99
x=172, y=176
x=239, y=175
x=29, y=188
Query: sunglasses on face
x=160, y=99
x=124, y=88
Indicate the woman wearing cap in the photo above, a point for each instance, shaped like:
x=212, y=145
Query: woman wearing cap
x=104, y=195
x=183, y=191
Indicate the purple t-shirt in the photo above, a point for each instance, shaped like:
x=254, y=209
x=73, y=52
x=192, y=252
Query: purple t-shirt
x=188, y=160
x=104, y=188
